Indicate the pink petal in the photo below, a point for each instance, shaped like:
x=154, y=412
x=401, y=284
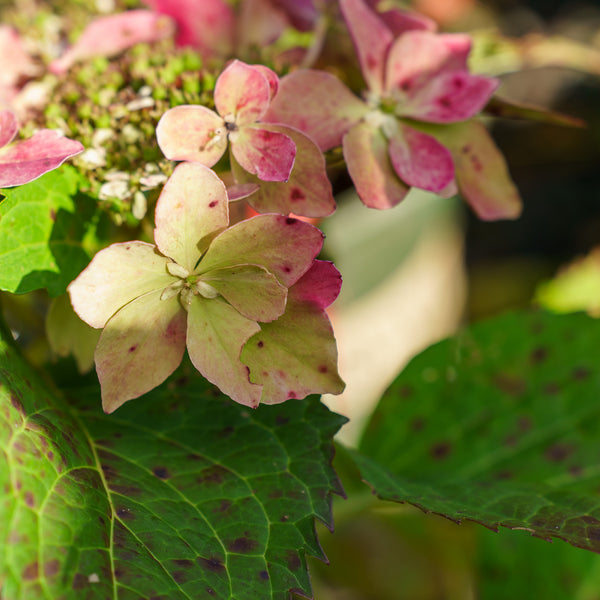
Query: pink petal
x=417, y=57
x=127, y=360
x=320, y=285
x=8, y=127
x=369, y=166
x=251, y=290
x=318, y=104
x=27, y=160
x=284, y=246
x=260, y=23
x=117, y=275
x=16, y=62
x=271, y=77
x=307, y=192
x=240, y=191
x=193, y=133
x=302, y=13
x=267, y=154
x=451, y=97
x=400, y=21
x=216, y=334
x=191, y=210
x=420, y=160
x=372, y=40
x=481, y=171
x=243, y=92
x=108, y=36
x=206, y=25
x=297, y=355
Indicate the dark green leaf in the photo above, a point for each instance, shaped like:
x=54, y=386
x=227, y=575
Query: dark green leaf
x=43, y=226
x=499, y=425
x=180, y=494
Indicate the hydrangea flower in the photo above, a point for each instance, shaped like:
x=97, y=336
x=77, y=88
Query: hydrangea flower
x=207, y=287
x=288, y=165
x=28, y=159
x=414, y=127
x=110, y=35
x=208, y=26
x=17, y=65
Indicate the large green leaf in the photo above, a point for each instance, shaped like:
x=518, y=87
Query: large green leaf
x=499, y=425
x=43, y=227
x=181, y=494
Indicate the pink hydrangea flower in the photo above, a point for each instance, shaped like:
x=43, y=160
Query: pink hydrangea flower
x=27, y=160
x=247, y=301
x=17, y=65
x=289, y=167
x=208, y=26
x=110, y=35
x=415, y=126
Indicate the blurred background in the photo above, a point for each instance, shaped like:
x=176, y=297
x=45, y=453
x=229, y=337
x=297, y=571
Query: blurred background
x=455, y=269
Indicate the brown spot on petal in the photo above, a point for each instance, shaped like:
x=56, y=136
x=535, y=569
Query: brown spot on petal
x=161, y=472
x=291, y=395
x=323, y=369
x=291, y=221
x=260, y=343
x=297, y=194
x=132, y=348
x=213, y=204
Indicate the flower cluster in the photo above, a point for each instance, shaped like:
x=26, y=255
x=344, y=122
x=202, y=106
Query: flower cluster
x=247, y=298
x=207, y=286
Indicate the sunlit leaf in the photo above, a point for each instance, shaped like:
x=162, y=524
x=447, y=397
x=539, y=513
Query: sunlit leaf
x=43, y=229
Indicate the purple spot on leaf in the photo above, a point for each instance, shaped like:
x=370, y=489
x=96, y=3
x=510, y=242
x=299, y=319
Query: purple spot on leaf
x=132, y=348
x=260, y=343
x=242, y=545
x=161, y=472
x=264, y=575
x=214, y=565
x=323, y=369
x=441, y=450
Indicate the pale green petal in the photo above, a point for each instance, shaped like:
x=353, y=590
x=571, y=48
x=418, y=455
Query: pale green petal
x=284, y=246
x=191, y=209
x=139, y=348
x=216, y=333
x=251, y=290
x=116, y=276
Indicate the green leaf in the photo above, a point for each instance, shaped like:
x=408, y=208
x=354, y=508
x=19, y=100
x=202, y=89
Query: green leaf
x=43, y=226
x=499, y=425
x=181, y=494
